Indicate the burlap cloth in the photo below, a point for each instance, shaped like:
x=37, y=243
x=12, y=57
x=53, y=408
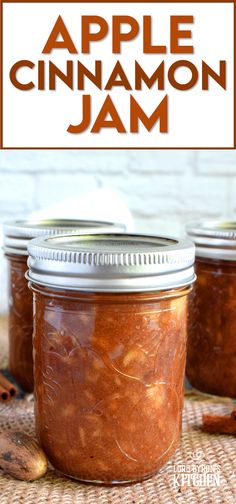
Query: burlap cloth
x=56, y=489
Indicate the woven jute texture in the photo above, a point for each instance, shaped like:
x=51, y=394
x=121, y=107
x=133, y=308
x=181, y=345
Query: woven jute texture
x=163, y=488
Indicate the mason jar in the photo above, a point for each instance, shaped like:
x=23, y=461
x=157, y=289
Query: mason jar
x=17, y=236
x=211, y=352
x=110, y=315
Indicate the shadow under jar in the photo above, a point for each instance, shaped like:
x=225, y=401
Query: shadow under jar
x=109, y=352
x=211, y=349
x=17, y=235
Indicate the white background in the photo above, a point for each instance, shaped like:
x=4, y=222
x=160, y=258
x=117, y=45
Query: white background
x=40, y=118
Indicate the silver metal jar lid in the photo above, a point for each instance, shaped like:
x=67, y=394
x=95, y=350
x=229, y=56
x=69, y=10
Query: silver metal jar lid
x=111, y=262
x=17, y=234
x=214, y=239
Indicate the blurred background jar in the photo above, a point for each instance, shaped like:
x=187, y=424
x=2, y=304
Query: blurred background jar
x=211, y=349
x=110, y=322
x=17, y=235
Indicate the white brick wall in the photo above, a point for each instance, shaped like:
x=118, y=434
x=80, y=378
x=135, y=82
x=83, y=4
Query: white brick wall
x=163, y=189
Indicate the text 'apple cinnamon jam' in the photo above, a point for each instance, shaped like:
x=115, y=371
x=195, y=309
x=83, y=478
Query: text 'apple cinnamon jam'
x=211, y=352
x=17, y=236
x=109, y=351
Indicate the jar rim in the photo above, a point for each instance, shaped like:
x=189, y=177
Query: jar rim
x=214, y=239
x=18, y=233
x=111, y=262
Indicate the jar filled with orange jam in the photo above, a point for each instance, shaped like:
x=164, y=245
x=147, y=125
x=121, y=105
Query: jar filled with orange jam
x=110, y=316
x=211, y=351
x=17, y=236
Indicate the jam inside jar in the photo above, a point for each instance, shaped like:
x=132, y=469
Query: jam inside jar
x=20, y=323
x=109, y=381
x=108, y=366
x=211, y=355
x=211, y=347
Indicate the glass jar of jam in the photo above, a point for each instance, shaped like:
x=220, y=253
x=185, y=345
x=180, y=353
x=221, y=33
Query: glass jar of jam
x=17, y=236
x=211, y=350
x=109, y=351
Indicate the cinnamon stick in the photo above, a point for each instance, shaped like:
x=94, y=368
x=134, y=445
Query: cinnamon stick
x=8, y=386
x=4, y=394
x=219, y=424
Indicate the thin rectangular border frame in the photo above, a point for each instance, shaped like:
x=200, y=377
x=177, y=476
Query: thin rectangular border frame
x=112, y=148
